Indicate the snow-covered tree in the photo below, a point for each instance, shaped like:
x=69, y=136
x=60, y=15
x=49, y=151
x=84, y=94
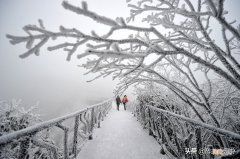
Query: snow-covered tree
x=174, y=134
x=187, y=39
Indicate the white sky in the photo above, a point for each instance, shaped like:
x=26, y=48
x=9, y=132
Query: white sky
x=58, y=85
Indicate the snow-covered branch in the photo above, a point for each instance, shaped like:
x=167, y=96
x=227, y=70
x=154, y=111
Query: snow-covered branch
x=84, y=11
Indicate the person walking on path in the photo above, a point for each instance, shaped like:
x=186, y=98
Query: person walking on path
x=124, y=101
x=118, y=101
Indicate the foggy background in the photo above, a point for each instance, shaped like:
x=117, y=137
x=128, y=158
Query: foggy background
x=59, y=86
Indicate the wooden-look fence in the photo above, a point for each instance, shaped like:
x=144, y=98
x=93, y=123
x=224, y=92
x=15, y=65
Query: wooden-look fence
x=182, y=137
x=85, y=121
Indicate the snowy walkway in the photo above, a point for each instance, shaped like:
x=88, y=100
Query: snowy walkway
x=121, y=137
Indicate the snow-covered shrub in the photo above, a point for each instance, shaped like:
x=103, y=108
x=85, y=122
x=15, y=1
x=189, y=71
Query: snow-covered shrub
x=13, y=117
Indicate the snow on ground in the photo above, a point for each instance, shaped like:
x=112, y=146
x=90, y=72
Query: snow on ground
x=121, y=137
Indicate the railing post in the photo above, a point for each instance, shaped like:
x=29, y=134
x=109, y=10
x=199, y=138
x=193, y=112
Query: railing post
x=24, y=145
x=84, y=122
x=74, y=150
x=91, y=124
x=153, y=124
x=99, y=119
x=96, y=116
x=65, y=129
x=143, y=118
x=65, y=144
x=149, y=122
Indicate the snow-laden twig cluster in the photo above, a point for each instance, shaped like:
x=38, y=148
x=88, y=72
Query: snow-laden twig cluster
x=188, y=36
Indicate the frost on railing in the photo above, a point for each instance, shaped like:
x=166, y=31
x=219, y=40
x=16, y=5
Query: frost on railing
x=77, y=127
x=183, y=137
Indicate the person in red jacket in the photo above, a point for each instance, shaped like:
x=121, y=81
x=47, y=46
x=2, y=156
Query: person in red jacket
x=124, y=101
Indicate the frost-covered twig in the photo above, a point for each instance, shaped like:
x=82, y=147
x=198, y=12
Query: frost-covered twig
x=84, y=11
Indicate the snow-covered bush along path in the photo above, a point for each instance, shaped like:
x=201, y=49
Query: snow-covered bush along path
x=121, y=137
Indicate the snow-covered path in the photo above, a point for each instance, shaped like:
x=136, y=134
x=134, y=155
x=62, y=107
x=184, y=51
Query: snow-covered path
x=121, y=137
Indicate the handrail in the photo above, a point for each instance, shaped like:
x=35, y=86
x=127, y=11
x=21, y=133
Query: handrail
x=96, y=113
x=207, y=126
x=178, y=134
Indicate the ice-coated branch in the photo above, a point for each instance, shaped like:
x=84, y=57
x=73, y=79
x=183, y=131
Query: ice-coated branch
x=134, y=68
x=229, y=50
x=149, y=66
x=209, y=85
x=36, y=49
x=212, y=6
x=168, y=83
x=188, y=89
x=234, y=31
x=219, y=54
x=218, y=15
x=183, y=12
x=197, y=59
x=60, y=46
x=220, y=8
x=218, y=50
x=200, y=95
x=84, y=11
x=112, y=54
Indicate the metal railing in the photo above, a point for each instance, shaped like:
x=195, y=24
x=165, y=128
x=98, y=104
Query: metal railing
x=84, y=122
x=183, y=137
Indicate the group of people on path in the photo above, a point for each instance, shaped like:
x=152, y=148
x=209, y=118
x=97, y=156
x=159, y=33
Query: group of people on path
x=119, y=101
